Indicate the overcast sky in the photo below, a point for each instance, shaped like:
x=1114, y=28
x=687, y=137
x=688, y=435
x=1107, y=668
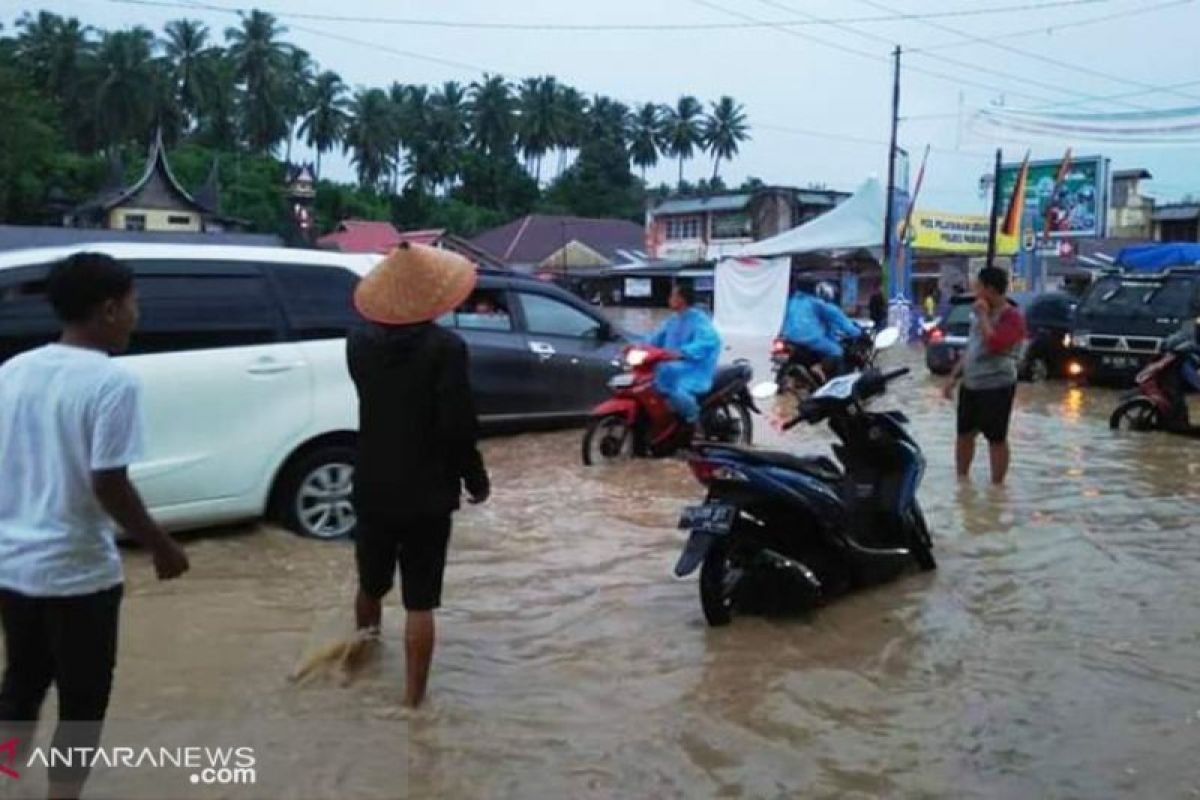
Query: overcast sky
x=818, y=96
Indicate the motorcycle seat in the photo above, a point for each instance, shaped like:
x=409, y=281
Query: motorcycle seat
x=727, y=375
x=820, y=467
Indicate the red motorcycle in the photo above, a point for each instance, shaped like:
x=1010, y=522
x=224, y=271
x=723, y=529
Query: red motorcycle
x=638, y=421
x=1158, y=402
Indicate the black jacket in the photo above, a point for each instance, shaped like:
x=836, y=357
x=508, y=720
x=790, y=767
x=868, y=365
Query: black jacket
x=418, y=432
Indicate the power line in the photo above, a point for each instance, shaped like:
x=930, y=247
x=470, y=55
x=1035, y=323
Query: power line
x=619, y=27
x=988, y=42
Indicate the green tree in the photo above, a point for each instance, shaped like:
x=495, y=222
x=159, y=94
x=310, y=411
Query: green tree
x=299, y=80
x=260, y=60
x=645, y=128
x=599, y=183
x=681, y=130
x=572, y=112
x=58, y=55
x=326, y=122
x=723, y=130
x=185, y=44
x=29, y=128
x=370, y=136
x=448, y=132
x=127, y=86
x=218, y=114
x=540, y=120
x=493, y=116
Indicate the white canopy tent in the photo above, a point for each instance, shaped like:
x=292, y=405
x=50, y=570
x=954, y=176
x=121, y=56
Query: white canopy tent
x=751, y=288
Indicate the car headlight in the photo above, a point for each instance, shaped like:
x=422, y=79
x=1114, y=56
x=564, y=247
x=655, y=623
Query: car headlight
x=1066, y=340
x=635, y=358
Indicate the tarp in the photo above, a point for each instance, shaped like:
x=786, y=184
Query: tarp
x=1156, y=257
x=750, y=295
x=855, y=223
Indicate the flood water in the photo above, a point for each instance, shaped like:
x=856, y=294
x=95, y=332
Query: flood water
x=1055, y=653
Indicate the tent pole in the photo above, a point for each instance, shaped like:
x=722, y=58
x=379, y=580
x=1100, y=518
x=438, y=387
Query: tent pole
x=888, y=220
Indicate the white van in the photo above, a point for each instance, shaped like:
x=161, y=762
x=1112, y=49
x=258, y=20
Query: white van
x=249, y=408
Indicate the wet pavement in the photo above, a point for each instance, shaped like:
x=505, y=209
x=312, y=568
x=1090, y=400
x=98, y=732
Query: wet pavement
x=1055, y=653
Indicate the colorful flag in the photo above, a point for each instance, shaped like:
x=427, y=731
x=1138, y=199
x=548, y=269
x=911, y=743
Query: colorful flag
x=1016, y=204
x=1053, y=210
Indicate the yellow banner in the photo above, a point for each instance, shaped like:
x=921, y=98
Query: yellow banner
x=956, y=233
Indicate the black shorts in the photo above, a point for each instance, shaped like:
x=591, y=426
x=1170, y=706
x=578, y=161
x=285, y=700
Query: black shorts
x=416, y=543
x=985, y=411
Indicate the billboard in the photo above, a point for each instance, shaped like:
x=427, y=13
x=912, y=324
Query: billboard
x=944, y=232
x=1079, y=207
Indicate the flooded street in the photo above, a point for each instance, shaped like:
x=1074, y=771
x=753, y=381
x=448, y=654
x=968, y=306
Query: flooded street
x=1055, y=653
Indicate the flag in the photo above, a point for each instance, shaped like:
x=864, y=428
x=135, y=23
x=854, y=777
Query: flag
x=1052, y=206
x=1016, y=204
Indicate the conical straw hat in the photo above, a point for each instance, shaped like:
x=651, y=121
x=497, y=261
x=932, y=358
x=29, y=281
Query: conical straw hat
x=415, y=283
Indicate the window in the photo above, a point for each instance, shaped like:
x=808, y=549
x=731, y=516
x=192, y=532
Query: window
x=545, y=316
x=680, y=228
x=484, y=310
x=318, y=300
x=1173, y=297
x=26, y=318
x=178, y=220
x=731, y=226
x=202, y=310
x=135, y=222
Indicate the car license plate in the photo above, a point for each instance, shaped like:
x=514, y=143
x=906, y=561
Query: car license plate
x=1118, y=362
x=715, y=518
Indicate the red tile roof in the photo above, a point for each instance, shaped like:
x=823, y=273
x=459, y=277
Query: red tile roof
x=366, y=236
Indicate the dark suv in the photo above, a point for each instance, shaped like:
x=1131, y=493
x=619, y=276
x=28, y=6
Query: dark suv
x=1123, y=319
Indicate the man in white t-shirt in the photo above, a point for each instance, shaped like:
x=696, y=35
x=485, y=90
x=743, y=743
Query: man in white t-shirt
x=70, y=426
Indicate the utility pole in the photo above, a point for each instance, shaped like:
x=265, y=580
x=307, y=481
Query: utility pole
x=888, y=213
x=992, y=219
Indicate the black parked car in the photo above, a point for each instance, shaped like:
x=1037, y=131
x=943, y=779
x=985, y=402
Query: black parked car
x=1048, y=321
x=948, y=340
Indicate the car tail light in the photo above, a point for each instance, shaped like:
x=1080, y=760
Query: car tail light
x=708, y=472
x=936, y=335
x=779, y=347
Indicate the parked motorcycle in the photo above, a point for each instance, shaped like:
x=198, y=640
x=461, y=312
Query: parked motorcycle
x=780, y=533
x=1158, y=402
x=798, y=369
x=638, y=421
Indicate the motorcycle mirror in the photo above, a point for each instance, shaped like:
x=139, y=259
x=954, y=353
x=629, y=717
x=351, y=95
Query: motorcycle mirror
x=886, y=338
x=764, y=391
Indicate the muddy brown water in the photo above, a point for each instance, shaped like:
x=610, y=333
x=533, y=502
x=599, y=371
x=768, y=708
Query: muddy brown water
x=1055, y=653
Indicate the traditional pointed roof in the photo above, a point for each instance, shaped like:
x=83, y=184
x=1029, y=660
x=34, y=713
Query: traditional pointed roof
x=157, y=177
x=209, y=194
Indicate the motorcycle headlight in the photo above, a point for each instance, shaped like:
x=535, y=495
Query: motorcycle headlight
x=635, y=358
x=1066, y=340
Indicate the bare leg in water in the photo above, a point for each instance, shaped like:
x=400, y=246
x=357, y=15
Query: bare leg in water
x=419, y=634
x=964, y=454
x=998, y=454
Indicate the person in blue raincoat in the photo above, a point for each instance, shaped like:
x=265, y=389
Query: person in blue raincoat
x=689, y=333
x=817, y=324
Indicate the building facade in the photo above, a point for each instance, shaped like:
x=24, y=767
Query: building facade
x=1130, y=215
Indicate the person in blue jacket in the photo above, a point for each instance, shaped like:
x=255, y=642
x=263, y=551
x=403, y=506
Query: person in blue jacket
x=690, y=334
x=813, y=322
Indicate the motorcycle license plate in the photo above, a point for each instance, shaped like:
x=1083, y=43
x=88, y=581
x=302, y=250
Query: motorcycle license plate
x=714, y=518
x=1119, y=362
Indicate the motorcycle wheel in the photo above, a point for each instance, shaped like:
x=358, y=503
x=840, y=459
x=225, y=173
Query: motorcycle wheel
x=1135, y=414
x=729, y=423
x=921, y=544
x=718, y=580
x=797, y=382
x=608, y=440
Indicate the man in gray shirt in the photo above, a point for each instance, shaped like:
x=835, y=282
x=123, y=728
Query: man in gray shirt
x=988, y=370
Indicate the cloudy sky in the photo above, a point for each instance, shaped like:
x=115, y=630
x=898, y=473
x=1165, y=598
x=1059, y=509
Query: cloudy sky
x=817, y=90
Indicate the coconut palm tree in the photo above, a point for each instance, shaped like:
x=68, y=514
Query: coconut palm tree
x=370, y=136
x=723, y=129
x=493, y=115
x=184, y=45
x=644, y=133
x=260, y=59
x=218, y=115
x=58, y=54
x=449, y=132
x=126, y=86
x=540, y=120
x=681, y=130
x=326, y=122
x=299, y=76
x=572, y=113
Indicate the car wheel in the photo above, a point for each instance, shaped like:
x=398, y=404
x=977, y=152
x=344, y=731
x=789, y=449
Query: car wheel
x=313, y=497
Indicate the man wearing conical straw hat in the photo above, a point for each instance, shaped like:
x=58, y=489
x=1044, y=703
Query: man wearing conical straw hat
x=417, y=440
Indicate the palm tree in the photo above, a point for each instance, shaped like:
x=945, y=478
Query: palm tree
x=125, y=94
x=572, y=113
x=370, y=136
x=681, y=130
x=644, y=134
x=299, y=75
x=493, y=116
x=539, y=124
x=216, y=75
x=260, y=60
x=448, y=130
x=58, y=53
x=723, y=130
x=325, y=124
x=185, y=43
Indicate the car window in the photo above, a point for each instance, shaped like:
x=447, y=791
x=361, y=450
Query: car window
x=1172, y=297
x=201, y=311
x=318, y=300
x=546, y=316
x=26, y=318
x=959, y=314
x=484, y=310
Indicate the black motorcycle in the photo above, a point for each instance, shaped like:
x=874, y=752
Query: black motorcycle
x=780, y=533
x=800, y=371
